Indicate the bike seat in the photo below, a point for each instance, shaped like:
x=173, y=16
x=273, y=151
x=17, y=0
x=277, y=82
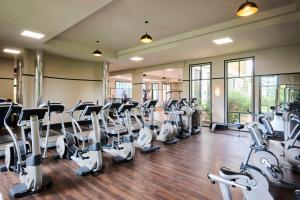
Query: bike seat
x=229, y=172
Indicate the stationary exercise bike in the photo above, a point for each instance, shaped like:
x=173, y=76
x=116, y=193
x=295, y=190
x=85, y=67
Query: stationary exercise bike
x=292, y=150
x=251, y=181
x=123, y=149
x=29, y=167
x=168, y=131
x=90, y=158
x=147, y=135
x=265, y=160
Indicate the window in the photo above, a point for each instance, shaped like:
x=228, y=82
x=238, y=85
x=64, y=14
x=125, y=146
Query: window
x=123, y=89
x=267, y=93
x=239, y=90
x=166, y=88
x=155, y=91
x=200, y=86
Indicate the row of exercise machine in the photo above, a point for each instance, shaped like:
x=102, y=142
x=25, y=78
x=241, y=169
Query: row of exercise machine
x=261, y=169
x=115, y=128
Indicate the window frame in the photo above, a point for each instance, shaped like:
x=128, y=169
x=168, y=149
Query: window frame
x=226, y=86
x=191, y=80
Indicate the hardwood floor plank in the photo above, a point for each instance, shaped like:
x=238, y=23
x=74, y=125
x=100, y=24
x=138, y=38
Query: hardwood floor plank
x=176, y=172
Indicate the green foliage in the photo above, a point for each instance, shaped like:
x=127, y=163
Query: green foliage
x=238, y=101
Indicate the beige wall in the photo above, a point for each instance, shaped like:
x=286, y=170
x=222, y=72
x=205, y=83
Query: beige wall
x=6, y=77
x=65, y=80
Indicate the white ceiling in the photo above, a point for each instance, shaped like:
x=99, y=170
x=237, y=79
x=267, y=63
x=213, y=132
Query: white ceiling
x=181, y=29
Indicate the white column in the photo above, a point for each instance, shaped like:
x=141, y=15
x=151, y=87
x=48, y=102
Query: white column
x=137, y=86
x=105, y=80
x=20, y=68
x=38, y=78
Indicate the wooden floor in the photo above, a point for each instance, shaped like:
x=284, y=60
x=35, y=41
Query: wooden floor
x=176, y=172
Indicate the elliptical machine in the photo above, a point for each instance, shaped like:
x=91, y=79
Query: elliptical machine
x=196, y=116
x=90, y=158
x=49, y=139
x=183, y=119
x=28, y=167
x=168, y=131
x=123, y=149
x=147, y=134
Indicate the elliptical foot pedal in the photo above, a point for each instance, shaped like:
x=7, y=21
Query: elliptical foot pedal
x=18, y=190
x=119, y=159
x=150, y=149
x=83, y=171
x=3, y=168
x=172, y=141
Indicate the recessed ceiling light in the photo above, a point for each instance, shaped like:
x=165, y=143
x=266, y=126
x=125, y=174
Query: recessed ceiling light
x=223, y=41
x=169, y=70
x=136, y=58
x=12, y=51
x=31, y=34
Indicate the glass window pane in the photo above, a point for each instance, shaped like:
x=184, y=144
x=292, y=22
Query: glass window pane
x=233, y=117
x=246, y=67
x=245, y=118
x=205, y=72
x=239, y=94
x=233, y=69
x=196, y=89
x=196, y=72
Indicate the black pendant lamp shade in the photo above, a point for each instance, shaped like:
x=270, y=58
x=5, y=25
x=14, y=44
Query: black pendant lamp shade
x=146, y=38
x=246, y=9
x=97, y=52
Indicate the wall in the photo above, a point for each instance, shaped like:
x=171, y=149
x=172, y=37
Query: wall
x=6, y=77
x=65, y=80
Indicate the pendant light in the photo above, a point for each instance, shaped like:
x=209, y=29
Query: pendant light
x=146, y=38
x=246, y=9
x=97, y=52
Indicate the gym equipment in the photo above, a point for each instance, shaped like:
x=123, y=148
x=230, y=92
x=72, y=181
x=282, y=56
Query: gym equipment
x=263, y=159
x=24, y=146
x=123, y=149
x=90, y=158
x=215, y=126
x=196, y=116
x=79, y=131
x=144, y=111
x=183, y=119
x=5, y=137
x=252, y=182
x=292, y=150
x=147, y=135
x=136, y=124
x=29, y=170
x=48, y=139
x=111, y=128
x=168, y=131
